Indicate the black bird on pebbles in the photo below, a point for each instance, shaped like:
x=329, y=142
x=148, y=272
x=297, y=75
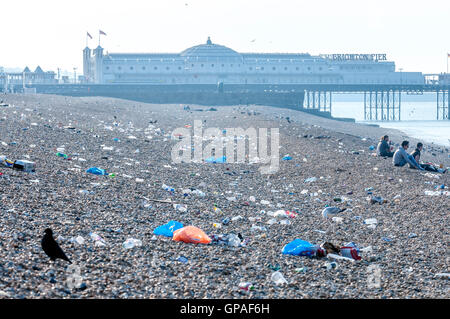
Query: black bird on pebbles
x=51, y=247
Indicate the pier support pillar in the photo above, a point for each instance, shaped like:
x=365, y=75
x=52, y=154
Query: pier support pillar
x=442, y=105
x=382, y=105
x=318, y=100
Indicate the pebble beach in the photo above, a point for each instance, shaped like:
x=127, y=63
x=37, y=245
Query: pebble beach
x=331, y=164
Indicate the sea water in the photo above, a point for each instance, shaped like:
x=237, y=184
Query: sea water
x=418, y=118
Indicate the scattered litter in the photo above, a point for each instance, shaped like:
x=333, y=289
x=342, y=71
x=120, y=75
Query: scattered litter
x=99, y=242
x=168, y=229
x=182, y=259
x=214, y=160
x=299, y=247
x=278, y=278
x=371, y=223
x=246, y=286
x=96, y=171
x=331, y=265
x=180, y=207
x=168, y=188
x=191, y=234
x=131, y=243
x=444, y=275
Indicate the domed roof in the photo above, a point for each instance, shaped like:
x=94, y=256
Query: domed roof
x=210, y=50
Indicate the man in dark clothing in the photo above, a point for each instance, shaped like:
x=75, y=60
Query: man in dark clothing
x=427, y=166
x=383, y=148
x=416, y=154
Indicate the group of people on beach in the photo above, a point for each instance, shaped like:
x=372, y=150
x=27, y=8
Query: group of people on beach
x=401, y=157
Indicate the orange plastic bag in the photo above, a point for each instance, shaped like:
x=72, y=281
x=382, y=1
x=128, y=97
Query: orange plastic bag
x=191, y=234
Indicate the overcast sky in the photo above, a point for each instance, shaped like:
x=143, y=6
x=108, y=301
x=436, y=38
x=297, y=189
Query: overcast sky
x=52, y=33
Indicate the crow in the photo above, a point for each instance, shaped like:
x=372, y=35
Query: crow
x=330, y=248
x=51, y=247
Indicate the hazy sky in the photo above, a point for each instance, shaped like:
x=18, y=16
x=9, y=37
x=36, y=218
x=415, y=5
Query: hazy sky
x=52, y=33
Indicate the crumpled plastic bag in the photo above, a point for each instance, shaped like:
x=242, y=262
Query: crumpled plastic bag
x=299, y=247
x=96, y=171
x=168, y=229
x=191, y=234
x=214, y=160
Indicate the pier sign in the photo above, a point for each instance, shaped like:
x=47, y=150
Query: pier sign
x=352, y=57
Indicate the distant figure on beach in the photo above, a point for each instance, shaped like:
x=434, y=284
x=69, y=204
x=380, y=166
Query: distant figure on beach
x=383, y=148
x=401, y=157
x=427, y=166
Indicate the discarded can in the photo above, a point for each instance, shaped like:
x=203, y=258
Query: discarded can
x=350, y=251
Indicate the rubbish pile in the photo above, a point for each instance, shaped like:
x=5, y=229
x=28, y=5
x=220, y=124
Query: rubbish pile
x=21, y=165
x=299, y=247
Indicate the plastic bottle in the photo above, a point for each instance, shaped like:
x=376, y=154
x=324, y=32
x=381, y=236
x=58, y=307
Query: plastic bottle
x=350, y=250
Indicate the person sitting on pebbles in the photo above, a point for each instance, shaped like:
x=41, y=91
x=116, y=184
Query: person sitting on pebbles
x=401, y=157
x=383, y=148
x=427, y=166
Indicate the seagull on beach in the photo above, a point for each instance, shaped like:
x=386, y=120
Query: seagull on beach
x=329, y=212
x=51, y=247
x=332, y=211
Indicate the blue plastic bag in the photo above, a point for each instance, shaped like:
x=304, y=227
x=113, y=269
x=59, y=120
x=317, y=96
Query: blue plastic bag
x=299, y=247
x=96, y=171
x=222, y=159
x=168, y=229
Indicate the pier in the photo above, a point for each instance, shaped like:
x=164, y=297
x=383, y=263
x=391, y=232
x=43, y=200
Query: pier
x=382, y=102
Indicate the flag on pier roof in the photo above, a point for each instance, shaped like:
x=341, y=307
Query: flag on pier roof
x=101, y=32
x=90, y=36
